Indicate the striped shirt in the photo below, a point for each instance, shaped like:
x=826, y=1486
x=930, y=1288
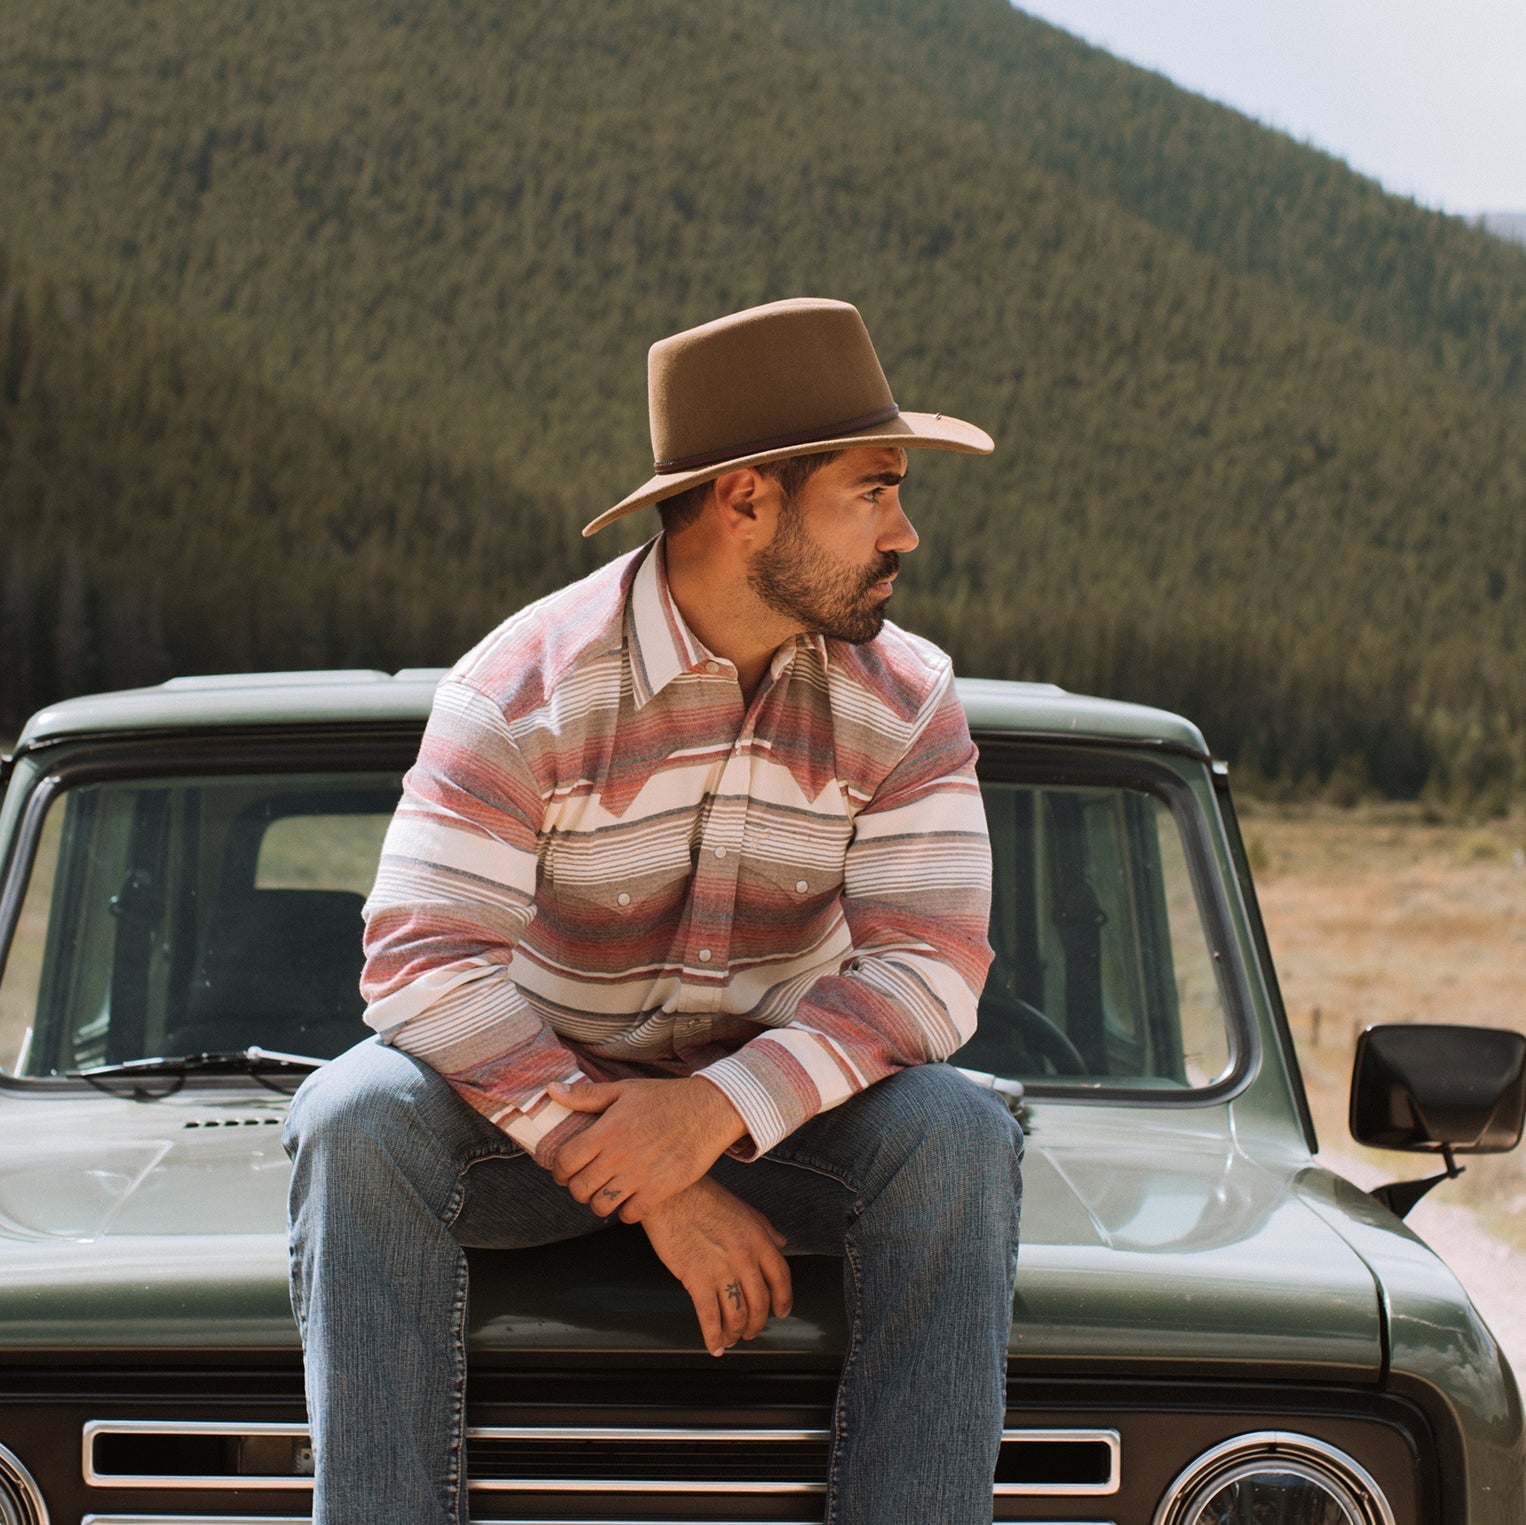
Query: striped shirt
x=605, y=865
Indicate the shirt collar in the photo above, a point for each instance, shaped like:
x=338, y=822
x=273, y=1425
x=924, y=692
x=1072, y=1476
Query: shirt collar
x=662, y=647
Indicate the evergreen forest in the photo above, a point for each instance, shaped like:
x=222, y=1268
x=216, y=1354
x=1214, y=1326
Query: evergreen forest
x=323, y=330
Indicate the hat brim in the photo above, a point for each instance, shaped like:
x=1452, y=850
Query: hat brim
x=928, y=431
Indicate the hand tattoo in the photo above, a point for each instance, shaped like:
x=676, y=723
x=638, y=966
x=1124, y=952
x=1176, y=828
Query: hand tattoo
x=611, y=1194
x=734, y=1292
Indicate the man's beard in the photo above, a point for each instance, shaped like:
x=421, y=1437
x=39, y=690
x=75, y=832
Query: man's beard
x=795, y=577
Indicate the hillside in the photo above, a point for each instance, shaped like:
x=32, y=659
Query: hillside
x=328, y=323
x=1257, y=201
x=165, y=514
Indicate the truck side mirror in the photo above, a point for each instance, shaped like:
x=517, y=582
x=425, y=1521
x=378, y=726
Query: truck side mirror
x=1427, y=1087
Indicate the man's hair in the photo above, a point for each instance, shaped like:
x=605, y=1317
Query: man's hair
x=792, y=473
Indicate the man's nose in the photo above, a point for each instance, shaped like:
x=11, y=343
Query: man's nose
x=898, y=534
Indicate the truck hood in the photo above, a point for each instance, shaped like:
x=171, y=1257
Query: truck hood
x=160, y=1225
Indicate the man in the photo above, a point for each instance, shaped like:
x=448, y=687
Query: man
x=686, y=895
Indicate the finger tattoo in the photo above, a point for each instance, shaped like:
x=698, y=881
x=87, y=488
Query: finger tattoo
x=734, y=1292
x=612, y=1193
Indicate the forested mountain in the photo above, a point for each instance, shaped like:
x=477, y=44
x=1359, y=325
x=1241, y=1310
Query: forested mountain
x=322, y=328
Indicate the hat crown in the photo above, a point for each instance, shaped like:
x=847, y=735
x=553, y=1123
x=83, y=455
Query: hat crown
x=784, y=379
x=785, y=373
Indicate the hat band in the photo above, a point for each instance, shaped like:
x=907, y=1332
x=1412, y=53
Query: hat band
x=778, y=442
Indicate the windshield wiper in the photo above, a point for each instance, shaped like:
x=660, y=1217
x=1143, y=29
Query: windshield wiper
x=162, y=1075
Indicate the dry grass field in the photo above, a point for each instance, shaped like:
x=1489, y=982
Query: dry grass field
x=1380, y=915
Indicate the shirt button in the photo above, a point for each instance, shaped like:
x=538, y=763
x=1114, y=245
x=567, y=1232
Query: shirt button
x=720, y=852
x=622, y=898
x=704, y=955
x=712, y=667
x=801, y=886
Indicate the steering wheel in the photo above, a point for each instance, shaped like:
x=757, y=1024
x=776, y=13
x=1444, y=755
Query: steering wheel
x=1015, y=1032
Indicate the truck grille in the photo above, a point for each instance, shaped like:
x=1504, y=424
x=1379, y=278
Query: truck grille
x=569, y=1461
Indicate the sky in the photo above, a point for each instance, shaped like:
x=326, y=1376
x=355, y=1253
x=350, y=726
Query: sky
x=1427, y=96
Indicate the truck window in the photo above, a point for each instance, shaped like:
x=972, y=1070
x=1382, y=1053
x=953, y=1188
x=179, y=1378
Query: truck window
x=168, y=916
x=172, y=916
x=1103, y=972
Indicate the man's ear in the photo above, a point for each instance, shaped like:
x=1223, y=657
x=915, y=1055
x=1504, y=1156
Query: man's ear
x=745, y=499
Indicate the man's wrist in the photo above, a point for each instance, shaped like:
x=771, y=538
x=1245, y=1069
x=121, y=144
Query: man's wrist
x=722, y=1124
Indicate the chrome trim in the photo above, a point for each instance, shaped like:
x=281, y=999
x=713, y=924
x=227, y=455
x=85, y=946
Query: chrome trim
x=96, y=1479
x=653, y=1434
x=1108, y=1438
x=22, y=1491
x=680, y=1486
x=1267, y=1447
x=271, y=1519
x=1110, y=1484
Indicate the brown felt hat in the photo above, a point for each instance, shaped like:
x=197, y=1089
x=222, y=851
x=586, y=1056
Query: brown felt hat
x=787, y=378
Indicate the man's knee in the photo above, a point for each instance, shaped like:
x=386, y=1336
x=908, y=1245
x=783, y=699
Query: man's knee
x=945, y=1171
x=947, y=1129
x=368, y=1093
x=941, y=1104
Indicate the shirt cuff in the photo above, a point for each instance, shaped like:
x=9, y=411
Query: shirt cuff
x=766, y=1086
x=545, y=1127
x=562, y=1132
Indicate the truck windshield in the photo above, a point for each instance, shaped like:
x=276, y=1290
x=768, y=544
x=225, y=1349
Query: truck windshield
x=193, y=915
x=190, y=915
x=1104, y=973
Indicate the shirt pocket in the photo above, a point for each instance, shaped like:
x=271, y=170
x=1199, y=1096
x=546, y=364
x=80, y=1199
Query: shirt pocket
x=588, y=876
x=797, y=864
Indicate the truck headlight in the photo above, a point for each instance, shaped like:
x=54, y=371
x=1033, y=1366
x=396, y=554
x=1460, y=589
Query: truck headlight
x=1271, y=1475
x=20, y=1499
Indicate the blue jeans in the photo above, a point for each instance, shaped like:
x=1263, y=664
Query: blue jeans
x=914, y=1183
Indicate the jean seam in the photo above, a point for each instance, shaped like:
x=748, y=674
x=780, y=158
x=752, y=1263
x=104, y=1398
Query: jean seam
x=294, y=1285
x=454, y=1488
x=454, y=1491
x=850, y=1356
x=458, y=1197
x=820, y=1168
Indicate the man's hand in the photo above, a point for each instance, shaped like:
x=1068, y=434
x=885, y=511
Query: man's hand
x=727, y=1255
x=652, y=1139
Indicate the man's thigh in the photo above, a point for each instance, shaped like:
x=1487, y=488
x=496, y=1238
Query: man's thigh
x=808, y=1187
x=508, y=1202
x=488, y=1192
x=809, y=1207
x=929, y=1117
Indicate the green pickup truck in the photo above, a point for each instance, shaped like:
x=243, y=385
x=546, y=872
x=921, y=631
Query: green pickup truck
x=1209, y=1327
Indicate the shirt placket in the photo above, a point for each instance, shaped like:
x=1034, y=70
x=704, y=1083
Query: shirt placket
x=707, y=947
